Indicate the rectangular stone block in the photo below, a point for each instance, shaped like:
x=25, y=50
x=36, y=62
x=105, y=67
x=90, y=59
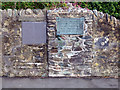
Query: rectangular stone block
x=33, y=32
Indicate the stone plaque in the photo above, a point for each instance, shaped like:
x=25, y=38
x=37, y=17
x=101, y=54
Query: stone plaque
x=33, y=32
x=70, y=26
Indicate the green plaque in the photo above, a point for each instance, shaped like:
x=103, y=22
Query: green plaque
x=72, y=26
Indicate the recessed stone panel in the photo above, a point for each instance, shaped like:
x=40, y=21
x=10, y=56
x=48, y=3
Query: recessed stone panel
x=33, y=32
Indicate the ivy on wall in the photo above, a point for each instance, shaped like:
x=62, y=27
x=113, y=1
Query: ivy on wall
x=112, y=8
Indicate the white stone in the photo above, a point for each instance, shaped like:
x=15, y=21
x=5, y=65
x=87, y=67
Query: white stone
x=28, y=11
x=85, y=10
x=79, y=9
x=96, y=39
x=21, y=12
x=95, y=12
x=106, y=38
x=60, y=9
x=69, y=4
x=106, y=41
x=102, y=43
x=90, y=11
x=56, y=11
x=101, y=14
x=15, y=13
x=49, y=11
x=9, y=12
x=4, y=11
x=115, y=20
x=69, y=10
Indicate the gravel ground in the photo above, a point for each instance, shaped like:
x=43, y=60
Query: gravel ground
x=59, y=83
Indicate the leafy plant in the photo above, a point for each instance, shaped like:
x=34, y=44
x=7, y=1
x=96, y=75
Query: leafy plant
x=112, y=8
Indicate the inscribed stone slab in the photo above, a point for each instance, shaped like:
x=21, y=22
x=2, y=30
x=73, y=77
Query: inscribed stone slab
x=33, y=32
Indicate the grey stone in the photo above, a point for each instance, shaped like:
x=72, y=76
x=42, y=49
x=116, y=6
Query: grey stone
x=77, y=49
x=88, y=43
x=86, y=37
x=76, y=60
x=63, y=64
x=42, y=13
x=111, y=18
x=36, y=11
x=101, y=43
x=33, y=32
x=51, y=63
x=101, y=14
x=106, y=16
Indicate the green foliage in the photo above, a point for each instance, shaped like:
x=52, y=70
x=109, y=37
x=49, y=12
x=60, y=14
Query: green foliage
x=112, y=8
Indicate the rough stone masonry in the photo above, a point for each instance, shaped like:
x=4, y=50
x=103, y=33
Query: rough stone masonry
x=93, y=52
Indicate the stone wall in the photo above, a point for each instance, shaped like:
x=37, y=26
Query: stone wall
x=106, y=45
x=0, y=43
x=95, y=53
x=19, y=59
x=70, y=55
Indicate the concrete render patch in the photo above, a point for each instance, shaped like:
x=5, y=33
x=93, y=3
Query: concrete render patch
x=33, y=32
x=59, y=83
